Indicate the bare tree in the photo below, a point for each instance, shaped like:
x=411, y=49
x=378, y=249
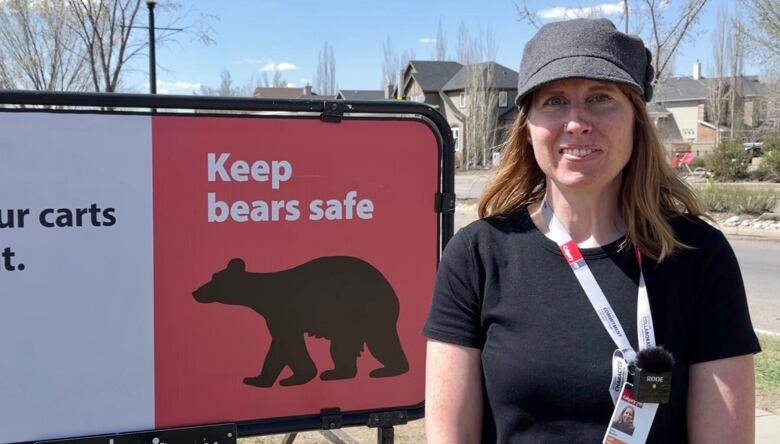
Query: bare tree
x=668, y=30
x=725, y=104
x=477, y=49
x=480, y=132
x=771, y=121
x=38, y=49
x=277, y=81
x=55, y=44
x=764, y=30
x=467, y=52
x=227, y=88
x=325, y=77
x=441, y=43
x=392, y=64
x=481, y=121
x=106, y=28
x=534, y=18
x=716, y=86
x=526, y=15
x=737, y=55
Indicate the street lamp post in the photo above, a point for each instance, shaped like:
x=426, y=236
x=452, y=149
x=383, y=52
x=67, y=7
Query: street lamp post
x=152, y=59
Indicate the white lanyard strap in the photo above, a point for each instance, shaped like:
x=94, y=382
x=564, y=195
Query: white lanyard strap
x=606, y=314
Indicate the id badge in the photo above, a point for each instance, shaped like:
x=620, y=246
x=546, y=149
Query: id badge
x=631, y=420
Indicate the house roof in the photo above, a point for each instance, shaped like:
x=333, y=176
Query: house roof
x=676, y=89
x=503, y=77
x=679, y=89
x=361, y=94
x=432, y=75
x=712, y=126
x=654, y=108
x=287, y=93
x=750, y=86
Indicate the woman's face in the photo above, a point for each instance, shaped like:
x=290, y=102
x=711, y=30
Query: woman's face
x=582, y=133
x=628, y=416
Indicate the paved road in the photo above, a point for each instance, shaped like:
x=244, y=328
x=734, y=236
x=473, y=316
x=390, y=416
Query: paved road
x=470, y=185
x=759, y=261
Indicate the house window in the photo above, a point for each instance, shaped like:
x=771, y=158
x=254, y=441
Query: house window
x=456, y=137
x=462, y=100
x=502, y=99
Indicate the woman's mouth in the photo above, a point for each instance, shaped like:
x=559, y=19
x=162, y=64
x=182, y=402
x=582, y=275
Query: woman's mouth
x=578, y=152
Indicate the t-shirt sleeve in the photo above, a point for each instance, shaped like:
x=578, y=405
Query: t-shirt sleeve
x=455, y=310
x=722, y=326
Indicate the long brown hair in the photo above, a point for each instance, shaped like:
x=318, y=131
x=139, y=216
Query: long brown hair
x=651, y=192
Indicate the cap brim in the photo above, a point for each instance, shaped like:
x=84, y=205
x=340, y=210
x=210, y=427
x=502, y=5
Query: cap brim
x=580, y=67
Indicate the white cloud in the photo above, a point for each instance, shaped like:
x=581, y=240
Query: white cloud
x=427, y=40
x=286, y=66
x=177, y=87
x=186, y=85
x=561, y=13
x=270, y=66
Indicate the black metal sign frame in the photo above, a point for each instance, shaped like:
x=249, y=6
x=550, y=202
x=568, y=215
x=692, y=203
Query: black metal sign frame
x=326, y=110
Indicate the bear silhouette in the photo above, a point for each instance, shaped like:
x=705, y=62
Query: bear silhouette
x=343, y=299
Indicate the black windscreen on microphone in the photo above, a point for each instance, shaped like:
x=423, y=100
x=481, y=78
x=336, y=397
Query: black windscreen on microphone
x=655, y=359
x=653, y=375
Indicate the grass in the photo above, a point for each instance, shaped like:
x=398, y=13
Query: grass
x=411, y=433
x=720, y=198
x=768, y=374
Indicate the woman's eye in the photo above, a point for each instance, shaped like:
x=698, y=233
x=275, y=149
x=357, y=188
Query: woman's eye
x=555, y=101
x=598, y=98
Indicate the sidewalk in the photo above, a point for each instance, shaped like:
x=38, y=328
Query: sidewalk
x=751, y=233
x=767, y=427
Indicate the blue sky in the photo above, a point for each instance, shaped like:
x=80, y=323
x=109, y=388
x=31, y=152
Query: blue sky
x=252, y=35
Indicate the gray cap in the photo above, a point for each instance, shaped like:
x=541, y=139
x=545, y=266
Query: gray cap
x=585, y=48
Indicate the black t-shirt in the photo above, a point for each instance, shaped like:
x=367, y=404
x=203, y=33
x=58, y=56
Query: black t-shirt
x=504, y=288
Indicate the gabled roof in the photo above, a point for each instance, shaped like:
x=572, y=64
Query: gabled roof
x=679, y=89
x=361, y=94
x=654, y=108
x=287, y=93
x=749, y=86
x=503, y=77
x=432, y=75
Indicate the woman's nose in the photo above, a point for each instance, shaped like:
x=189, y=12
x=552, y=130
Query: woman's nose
x=577, y=122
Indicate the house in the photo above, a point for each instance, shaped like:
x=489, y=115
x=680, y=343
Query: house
x=288, y=93
x=682, y=112
x=446, y=86
x=362, y=94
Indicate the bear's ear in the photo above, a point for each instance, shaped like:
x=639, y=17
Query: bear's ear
x=236, y=264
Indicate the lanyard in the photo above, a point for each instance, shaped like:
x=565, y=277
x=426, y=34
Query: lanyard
x=625, y=353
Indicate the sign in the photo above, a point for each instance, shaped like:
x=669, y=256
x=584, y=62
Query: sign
x=169, y=271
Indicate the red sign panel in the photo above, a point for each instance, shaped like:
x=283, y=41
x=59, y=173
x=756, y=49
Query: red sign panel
x=335, y=233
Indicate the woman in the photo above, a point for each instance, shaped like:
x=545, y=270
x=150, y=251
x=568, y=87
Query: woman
x=517, y=351
x=625, y=422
